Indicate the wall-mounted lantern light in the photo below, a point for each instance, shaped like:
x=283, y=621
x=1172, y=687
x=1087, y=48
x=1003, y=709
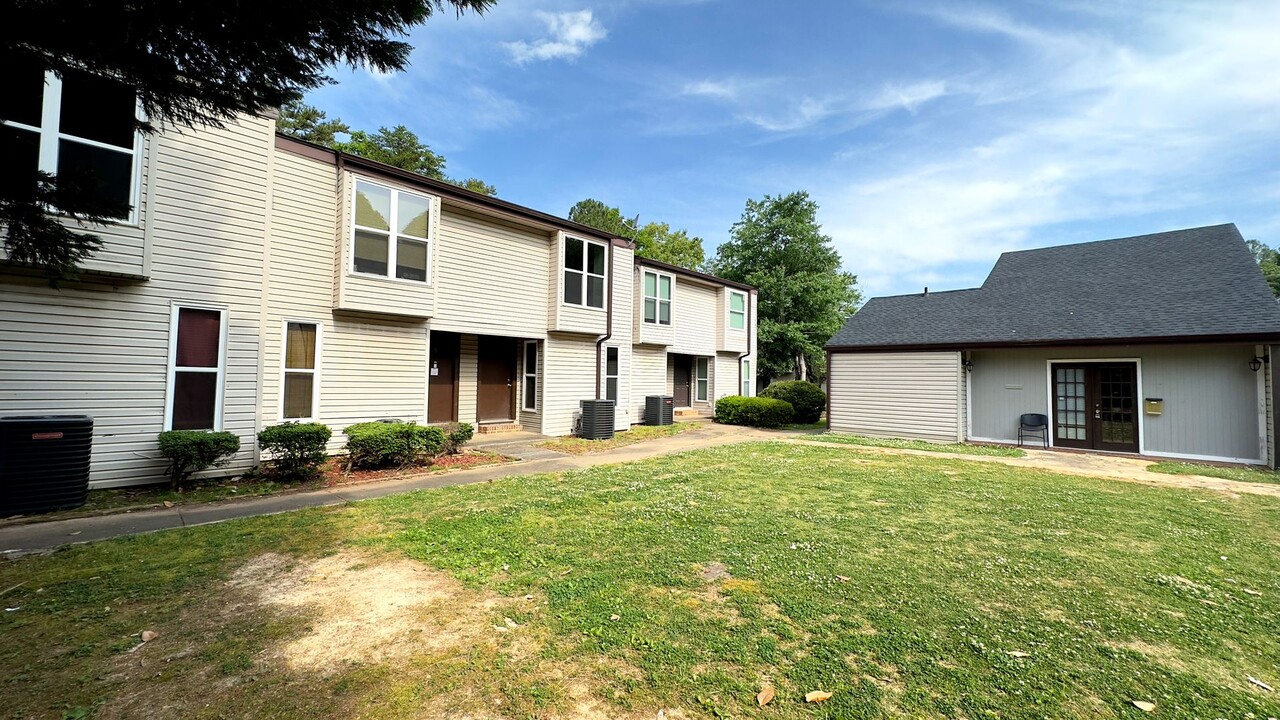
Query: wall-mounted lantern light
x=967, y=364
x=1256, y=363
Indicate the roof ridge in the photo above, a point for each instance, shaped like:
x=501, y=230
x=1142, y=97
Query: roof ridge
x=1120, y=239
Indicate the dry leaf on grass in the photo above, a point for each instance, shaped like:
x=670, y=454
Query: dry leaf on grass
x=842, y=578
x=765, y=696
x=1259, y=683
x=1144, y=706
x=149, y=635
x=1017, y=653
x=817, y=696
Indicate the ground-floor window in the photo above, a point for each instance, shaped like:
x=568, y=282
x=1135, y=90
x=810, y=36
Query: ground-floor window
x=702, y=379
x=197, y=368
x=611, y=373
x=746, y=378
x=531, y=375
x=301, y=358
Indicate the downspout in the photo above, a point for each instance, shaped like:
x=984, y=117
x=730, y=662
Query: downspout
x=750, y=324
x=608, y=321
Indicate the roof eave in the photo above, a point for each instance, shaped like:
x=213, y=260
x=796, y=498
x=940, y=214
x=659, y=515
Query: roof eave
x=1258, y=338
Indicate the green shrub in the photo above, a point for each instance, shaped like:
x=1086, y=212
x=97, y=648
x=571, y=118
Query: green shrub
x=190, y=451
x=806, y=398
x=456, y=435
x=754, y=411
x=379, y=444
x=297, y=449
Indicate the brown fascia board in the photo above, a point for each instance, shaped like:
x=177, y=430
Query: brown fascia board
x=705, y=277
x=1163, y=340
x=438, y=187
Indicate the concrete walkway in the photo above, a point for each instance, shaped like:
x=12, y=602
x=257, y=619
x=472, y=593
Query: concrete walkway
x=1110, y=467
x=38, y=536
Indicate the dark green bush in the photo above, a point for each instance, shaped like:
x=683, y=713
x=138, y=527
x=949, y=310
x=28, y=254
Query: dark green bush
x=190, y=451
x=379, y=444
x=754, y=411
x=456, y=435
x=806, y=399
x=297, y=449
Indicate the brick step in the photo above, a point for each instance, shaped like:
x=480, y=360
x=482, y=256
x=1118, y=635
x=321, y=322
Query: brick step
x=693, y=412
x=487, y=428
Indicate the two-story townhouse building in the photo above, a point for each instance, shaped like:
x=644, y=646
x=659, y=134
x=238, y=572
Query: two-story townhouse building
x=260, y=279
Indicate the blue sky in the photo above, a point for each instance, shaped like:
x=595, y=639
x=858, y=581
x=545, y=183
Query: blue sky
x=934, y=135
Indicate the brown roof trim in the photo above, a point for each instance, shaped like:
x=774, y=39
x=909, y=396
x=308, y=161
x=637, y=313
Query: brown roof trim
x=676, y=269
x=438, y=187
x=1164, y=340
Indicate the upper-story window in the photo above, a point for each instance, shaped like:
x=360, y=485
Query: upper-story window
x=80, y=127
x=391, y=233
x=583, y=272
x=737, y=310
x=657, y=298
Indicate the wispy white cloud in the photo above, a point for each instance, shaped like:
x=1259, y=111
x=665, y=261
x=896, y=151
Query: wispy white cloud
x=1116, y=131
x=569, y=34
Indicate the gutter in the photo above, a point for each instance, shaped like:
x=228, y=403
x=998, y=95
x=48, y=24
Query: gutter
x=608, y=333
x=751, y=314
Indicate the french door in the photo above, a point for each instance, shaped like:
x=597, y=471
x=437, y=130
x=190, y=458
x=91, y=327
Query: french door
x=1095, y=406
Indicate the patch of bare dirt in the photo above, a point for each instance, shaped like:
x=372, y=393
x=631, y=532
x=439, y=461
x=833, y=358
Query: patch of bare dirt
x=367, y=611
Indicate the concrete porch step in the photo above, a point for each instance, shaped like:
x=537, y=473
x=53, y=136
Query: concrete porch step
x=693, y=413
x=488, y=428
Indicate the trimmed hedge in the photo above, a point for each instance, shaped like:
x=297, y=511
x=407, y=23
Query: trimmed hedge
x=397, y=444
x=297, y=449
x=456, y=435
x=754, y=411
x=806, y=399
x=191, y=451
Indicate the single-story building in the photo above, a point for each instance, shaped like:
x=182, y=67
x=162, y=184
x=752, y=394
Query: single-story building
x=1158, y=345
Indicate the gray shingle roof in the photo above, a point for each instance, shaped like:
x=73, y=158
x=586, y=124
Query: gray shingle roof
x=1200, y=282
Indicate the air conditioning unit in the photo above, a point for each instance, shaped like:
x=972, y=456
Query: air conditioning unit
x=44, y=462
x=659, y=410
x=596, y=422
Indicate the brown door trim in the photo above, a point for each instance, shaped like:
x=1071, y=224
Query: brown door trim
x=1079, y=396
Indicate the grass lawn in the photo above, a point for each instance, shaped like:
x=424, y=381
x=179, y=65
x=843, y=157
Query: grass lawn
x=1240, y=474
x=907, y=586
x=638, y=433
x=962, y=448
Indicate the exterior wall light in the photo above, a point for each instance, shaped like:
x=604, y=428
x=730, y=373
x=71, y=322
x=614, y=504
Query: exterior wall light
x=967, y=364
x=1256, y=363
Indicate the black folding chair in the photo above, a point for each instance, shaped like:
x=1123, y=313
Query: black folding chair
x=1033, y=425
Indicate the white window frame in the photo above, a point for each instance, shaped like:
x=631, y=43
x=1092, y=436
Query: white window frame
x=742, y=313
x=315, y=371
x=748, y=380
x=584, y=273
x=616, y=377
x=527, y=377
x=657, y=298
x=50, y=134
x=172, y=369
x=393, y=236
x=701, y=379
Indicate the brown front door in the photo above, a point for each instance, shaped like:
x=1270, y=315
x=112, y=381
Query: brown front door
x=495, y=391
x=681, y=382
x=1095, y=406
x=442, y=385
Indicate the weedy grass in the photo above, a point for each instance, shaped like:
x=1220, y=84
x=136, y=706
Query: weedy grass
x=907, y=586
x=1239, y=474
x=960, y=448
x=637, y=434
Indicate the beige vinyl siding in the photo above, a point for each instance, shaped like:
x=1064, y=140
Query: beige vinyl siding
x=623, y=301
x=383, y=296
x=909, y=395
x=1269, y=397
x=125, y=245
x=1211, y=399
x=569, y=376
x=725, y=376
x=102, y=349
x=492, y=277
x=373, y=368
x=730, y=340
x=468, y=377
x=648, y=377
x=695, y=312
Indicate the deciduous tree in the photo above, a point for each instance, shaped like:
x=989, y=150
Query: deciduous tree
x=655, y=240
x=778, y=246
